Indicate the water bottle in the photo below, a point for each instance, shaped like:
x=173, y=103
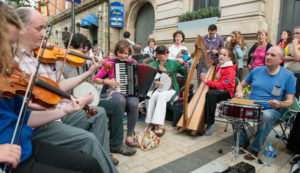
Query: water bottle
x=269, y=154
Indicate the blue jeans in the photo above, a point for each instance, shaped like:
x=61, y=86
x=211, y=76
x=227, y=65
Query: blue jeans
x=267, y=120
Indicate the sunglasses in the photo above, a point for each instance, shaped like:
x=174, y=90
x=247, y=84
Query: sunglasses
x=165, y=53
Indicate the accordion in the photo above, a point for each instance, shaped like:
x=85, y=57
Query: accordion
x=135, y=79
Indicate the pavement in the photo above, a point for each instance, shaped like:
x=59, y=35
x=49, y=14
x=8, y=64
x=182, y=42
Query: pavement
x=179, y=152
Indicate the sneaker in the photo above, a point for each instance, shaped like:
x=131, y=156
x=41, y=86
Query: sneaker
x=209, y=130
x=123, y=149
x=114, y=160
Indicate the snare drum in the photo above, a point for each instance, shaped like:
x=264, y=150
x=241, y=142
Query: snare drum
x=240, y=112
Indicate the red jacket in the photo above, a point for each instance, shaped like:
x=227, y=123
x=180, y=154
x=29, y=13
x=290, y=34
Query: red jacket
x=225, y=78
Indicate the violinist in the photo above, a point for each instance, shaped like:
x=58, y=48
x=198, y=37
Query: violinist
x=113, y=108
x=79, y=133
x=32, y=156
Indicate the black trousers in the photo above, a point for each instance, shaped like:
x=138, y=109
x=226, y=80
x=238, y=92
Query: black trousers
x=213, y=97
x=48, y=158
x=294, y=139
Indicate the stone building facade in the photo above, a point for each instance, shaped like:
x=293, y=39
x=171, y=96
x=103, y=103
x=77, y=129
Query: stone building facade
x=62, y=23
x=158, y=19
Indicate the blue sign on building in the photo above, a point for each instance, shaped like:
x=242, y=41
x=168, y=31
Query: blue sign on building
x=116, y=14
x=76, y=1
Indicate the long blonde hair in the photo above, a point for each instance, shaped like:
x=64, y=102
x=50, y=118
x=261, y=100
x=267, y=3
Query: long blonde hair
x=239, y=39
x=7, y=16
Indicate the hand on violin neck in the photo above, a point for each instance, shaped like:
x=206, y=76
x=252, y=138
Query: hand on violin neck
x=75, y=105
x=97, y=63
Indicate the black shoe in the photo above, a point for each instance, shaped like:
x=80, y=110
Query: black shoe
x=246, y=145
x=252, y=155
x=114, y=160
x=123, y=149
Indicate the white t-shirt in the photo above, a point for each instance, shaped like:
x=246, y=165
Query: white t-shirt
x=174, y=50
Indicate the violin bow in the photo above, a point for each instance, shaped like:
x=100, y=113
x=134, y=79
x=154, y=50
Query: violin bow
x=65, y=58
x=26, y=99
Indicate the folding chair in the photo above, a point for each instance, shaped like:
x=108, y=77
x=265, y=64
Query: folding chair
x=285, y=122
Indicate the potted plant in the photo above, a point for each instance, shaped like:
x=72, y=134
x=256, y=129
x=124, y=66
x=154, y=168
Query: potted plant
x=197, y=19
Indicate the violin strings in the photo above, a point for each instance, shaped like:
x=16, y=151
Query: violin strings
x=25, y=96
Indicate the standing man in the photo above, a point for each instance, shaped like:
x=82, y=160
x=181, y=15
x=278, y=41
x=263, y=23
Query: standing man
x=127, y=36
x=272, y=83
x=85, y=135
x=213, y=42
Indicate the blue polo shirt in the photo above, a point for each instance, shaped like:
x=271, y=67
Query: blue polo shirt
x=262, y=84
x=9, y=111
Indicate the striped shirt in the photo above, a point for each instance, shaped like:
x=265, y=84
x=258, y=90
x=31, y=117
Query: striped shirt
x=27, y=63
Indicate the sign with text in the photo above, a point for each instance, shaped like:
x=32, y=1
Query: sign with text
x=116, y=14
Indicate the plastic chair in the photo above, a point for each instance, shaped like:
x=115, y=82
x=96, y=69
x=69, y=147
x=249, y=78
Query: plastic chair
x=285, y=122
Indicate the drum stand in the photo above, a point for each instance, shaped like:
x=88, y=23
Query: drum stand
x=239, y=124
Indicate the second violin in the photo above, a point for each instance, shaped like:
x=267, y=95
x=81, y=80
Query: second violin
x=74, y=57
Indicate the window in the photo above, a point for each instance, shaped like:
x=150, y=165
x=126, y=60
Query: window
x=77, y=27
x=66, y=4
x=65, y=34
x=199, y=4
x=56, y=7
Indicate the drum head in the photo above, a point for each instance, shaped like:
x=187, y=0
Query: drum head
x=166, y=80
x=83, y=89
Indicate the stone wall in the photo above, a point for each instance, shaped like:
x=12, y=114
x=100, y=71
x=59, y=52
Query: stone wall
x=62, y=23
x=247, y=16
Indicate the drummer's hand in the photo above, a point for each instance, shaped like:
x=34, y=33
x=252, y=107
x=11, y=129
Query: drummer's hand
x=97, y=63
x=90, y=97
x=113, y=83
x=203, y=77
x=275, y=104
x=239, y=94
x=158, y=84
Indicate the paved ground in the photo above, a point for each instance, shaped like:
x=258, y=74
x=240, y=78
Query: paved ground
x=179, y=153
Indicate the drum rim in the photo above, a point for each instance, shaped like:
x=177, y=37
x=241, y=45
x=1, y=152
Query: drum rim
x=242, y=105
x=96, y=100
x=170, y=82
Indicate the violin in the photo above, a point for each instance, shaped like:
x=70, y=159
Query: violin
x=74, y=57
x=46, y=92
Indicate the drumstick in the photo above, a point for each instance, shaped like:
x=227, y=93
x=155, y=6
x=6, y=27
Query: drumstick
x=246, y=101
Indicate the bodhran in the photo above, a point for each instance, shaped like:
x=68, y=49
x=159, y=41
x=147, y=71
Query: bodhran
x=83, y=89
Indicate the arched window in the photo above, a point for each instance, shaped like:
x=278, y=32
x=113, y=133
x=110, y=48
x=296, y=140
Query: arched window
x=77, y=27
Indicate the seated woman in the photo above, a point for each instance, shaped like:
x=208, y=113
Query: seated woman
x=222, y=87
x=122, y=51
x=157, y=104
